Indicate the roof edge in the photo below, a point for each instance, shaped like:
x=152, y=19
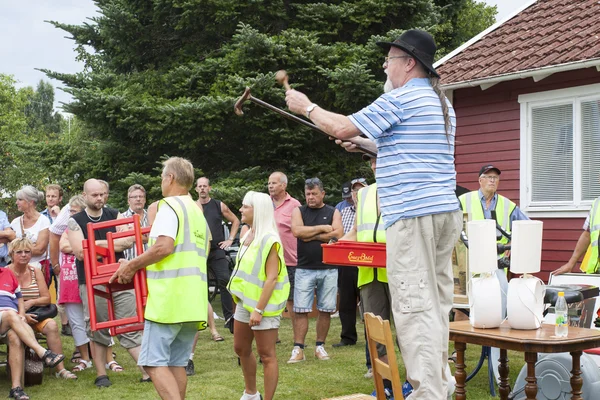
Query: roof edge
x=476, y=38
x=548, y=70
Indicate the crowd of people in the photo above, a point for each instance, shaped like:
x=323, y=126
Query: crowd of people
x=412, y=206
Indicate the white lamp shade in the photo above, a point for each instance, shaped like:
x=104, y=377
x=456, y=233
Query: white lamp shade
x=482, y=246
x=526, y=247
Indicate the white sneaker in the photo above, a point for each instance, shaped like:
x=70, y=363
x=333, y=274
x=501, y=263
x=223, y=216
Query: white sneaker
x=320, y=353
x=255, y=396
x=297, y=355
x=369, y=373
x=335, y=314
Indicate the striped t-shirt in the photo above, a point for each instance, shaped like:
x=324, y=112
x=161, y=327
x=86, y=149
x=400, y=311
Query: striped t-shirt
x=415, y=159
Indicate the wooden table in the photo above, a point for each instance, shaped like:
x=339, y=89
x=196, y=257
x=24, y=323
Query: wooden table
x=530, y=342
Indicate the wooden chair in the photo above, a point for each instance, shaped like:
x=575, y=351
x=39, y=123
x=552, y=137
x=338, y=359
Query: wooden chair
x=379, y=331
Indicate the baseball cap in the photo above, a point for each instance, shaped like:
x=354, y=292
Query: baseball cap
x=346, y=190
x=488, y=167
x=361, y=181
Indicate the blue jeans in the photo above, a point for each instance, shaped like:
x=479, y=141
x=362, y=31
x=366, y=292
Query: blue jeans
x=325, y=280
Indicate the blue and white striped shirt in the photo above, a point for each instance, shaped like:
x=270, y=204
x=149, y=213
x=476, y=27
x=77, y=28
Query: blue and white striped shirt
x=415, y=160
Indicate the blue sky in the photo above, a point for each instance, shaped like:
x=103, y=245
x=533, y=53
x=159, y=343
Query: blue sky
x=29, y=42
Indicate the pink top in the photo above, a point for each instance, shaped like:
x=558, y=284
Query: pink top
x=283, y=216
x=69, y=289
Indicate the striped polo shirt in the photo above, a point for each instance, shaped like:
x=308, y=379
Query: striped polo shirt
x=415, y=159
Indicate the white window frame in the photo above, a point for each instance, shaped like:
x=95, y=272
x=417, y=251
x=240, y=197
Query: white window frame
x=575, y=96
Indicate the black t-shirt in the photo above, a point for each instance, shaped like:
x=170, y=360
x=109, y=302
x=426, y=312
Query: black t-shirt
x=214, y=219
x=82, y=219
x=310, y=254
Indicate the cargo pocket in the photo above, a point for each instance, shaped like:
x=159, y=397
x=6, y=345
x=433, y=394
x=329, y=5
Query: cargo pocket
x=413, y=292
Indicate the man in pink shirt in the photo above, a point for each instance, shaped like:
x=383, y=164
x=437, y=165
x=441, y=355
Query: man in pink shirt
x=284, y=205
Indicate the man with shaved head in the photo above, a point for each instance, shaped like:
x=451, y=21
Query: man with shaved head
x=95, y=193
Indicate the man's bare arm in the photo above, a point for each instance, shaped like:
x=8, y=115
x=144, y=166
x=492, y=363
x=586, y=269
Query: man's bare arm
x=75, y=238
x=303, y=232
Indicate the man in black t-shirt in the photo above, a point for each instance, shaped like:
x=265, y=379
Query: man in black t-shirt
x=95, y=193
x=313, y=224
x=214, y=212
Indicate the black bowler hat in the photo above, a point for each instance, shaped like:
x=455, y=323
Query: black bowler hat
x=418, y=44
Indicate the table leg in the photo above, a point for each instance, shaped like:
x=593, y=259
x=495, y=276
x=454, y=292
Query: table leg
x=460, y=374
x=503, y=369
x=576, y=380
x=531, y=388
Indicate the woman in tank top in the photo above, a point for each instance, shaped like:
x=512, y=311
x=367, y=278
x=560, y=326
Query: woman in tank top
x=35, y=293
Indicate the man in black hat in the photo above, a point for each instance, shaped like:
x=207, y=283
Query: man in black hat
x=412, y=128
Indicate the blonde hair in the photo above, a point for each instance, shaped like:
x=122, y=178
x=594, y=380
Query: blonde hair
x=22, y=243
x=263, y=221
x=182, y=170
x=77, y=201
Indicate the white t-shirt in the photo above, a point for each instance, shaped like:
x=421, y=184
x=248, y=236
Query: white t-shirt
x=32, y=233
x=165, y=223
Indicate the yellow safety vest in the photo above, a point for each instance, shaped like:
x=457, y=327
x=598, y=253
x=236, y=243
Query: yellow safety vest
x=592, y=265
x=249, y=277
x=471, y=203
x=370, y=229
x=177, y=284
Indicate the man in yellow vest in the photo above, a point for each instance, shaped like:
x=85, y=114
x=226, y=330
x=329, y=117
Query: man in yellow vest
x=588, y=239
x=177, y=282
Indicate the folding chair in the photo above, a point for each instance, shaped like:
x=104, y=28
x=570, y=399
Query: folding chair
x=100, y=264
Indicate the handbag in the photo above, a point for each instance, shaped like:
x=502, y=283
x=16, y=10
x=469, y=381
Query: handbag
x=41, y=313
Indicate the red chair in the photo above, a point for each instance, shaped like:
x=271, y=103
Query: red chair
x=100, y=264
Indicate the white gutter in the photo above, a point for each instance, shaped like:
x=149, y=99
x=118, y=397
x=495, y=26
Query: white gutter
x=482, y=34
x=537, y=74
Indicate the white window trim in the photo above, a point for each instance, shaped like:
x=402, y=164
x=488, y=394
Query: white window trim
x=575, y=95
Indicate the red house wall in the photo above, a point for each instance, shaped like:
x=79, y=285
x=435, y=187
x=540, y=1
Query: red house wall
x=488, y=131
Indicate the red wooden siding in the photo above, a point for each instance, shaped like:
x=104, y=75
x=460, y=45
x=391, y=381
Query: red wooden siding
x=488, y=131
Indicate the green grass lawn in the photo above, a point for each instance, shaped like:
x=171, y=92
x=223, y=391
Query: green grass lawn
x=218, y=375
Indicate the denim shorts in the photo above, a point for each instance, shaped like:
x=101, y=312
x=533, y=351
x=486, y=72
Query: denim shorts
x=242, y=315
x=325, y=280
x=167, y=345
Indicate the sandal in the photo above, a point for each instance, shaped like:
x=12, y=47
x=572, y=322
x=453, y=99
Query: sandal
x=217, y=338
x=66, y=374
x=18, y=394
x=453, y=357
x=82, y=366
x=148, y=379
x=76, y=357
x=114, y=366
x=51, y=359
x=102, y=381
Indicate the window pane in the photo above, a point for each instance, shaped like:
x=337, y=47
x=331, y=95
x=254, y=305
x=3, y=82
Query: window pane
x=552, y=149
x=590, y=149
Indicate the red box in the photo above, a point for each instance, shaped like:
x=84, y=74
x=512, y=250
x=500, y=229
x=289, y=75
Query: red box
x=355, y=254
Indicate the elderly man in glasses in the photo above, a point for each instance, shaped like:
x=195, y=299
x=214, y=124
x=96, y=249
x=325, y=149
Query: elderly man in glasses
x=136, y=199
x=313, y=224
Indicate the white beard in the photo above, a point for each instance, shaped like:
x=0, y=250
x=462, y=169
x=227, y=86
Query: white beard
x=388, y=86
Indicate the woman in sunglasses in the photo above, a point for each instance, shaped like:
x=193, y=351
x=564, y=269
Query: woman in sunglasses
x=35, y=293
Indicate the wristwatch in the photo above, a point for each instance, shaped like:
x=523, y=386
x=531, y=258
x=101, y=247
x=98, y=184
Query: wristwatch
x=309, y=109
x=258, y=310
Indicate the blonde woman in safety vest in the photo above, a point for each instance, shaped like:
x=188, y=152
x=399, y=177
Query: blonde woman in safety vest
x=259, y=286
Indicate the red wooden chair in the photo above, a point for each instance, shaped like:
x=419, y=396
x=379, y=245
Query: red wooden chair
x=100, y=264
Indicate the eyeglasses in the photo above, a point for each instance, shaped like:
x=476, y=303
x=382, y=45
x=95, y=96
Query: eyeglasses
x=19, y=252
x=137, y=197
x=387, y=59
x=490, y=178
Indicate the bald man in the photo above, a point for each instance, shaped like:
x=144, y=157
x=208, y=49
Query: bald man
x=95, y=193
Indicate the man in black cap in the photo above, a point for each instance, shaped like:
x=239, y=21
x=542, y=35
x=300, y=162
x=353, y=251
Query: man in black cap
x=412, y=128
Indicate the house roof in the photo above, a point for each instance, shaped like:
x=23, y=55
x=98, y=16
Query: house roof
x=543, y=36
